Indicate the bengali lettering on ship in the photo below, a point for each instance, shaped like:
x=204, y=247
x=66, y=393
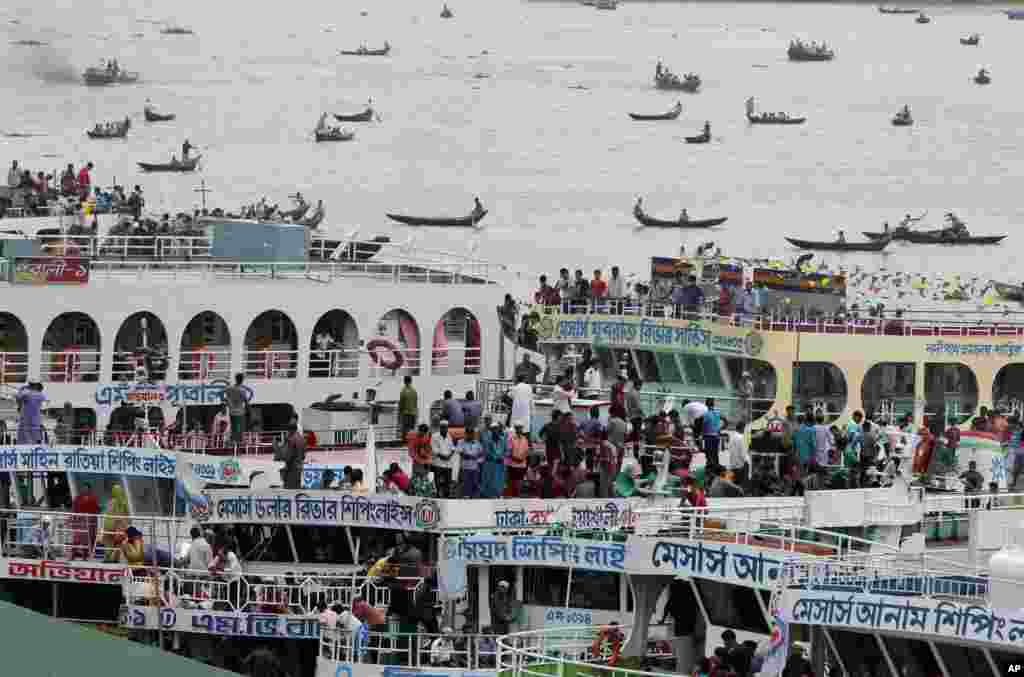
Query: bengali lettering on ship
x=975, y=350
x=323, y=508
x=914, y=614
x=65, y=572
x=715, y=561
x=285, y=626
x=104, y=460
x=666, y=333
x=51, y=270
x=540, y=550
x=176, y=395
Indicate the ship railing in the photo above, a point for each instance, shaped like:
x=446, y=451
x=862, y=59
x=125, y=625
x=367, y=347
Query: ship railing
x=896, y=576
x=334, y=363
x=393, y=273
x=204, y=365
x=389, y=252
x=581, y=650
x=924, y=323
x=270, y=364
x=255, y=593
x=413, y=650
x=57, y=535
x=71, y=365
x=13, y=367
x=153, y=247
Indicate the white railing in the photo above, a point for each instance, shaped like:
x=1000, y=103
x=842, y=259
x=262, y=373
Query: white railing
x=408, y=361
x=454, y=361
x=204, y=365
x=899, y=575
x=392, y=273
x=925, y=323
x=334, y=363
x=69, y=366
x=270, y=364
x=13, y=367
x=51, y=534
x=420, y=650
x=255, y=593
x=590, y=650
x=127, y=246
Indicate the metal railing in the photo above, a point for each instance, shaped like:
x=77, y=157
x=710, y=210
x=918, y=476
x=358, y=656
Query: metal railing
x=69, y=366
x=587, y=650
x=254, y=593
x=334, y=363
x=391, y=273
x=13, y=366
x=924, y=323
x=52, y=534
x=471, y=652
x=204, y=365
x=270, y=364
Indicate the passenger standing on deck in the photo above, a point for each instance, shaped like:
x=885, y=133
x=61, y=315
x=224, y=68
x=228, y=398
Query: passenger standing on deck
x=823, y=440
x=445, y=460
x=408, y=407
x=293, y=453
x=452, y=410
x=635, y=412
x=30, y=423
x=495, y=445
x=237, y=398
x=471, y=410
x=522, y=404
x=710, y=433
x=472, y=454
x=421, y=451
x=501, y=609
x=85, y=181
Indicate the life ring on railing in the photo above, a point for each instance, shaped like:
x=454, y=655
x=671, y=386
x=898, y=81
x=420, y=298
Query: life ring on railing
x=378, y=344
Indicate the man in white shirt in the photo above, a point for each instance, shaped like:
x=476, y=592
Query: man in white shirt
x=737, y=455
x=348, y=623
x=442, y=648
x=522, y=403
x=616, y=289
x=199, y=553
x=592, y=376
x=445, y=463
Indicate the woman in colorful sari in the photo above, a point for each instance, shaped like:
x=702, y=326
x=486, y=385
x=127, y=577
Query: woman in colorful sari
x=115, y=523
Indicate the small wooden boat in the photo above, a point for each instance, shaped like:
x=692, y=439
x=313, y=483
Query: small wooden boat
x=799, y=51
x=690, y=83
x=119, y=131
x=898, y=10
x=334, y=135
x=176, y=166
x=606, y=4
x=177, y=30
x=470, y=221
x=875, y=246
x=365, y=116
x=651, y=222
x=447, y=13
x=971, y=40
x=774, y=119
x=670, y=115
x=1011, y=292
x=700, y=138
x=98, y=77
x=363, y=51
x=152, y=116
x=982, y=79
x=923, y=19
x=940, y=236
x=901, y=120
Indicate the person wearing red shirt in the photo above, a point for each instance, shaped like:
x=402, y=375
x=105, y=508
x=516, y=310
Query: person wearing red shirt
x=84, y=180
x=546, y=295
x=397, y=477
x=85, y=506
x=421, y=451
x=598, y=287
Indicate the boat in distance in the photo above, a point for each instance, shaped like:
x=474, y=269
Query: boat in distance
x=99, y=77
x=363, y=51
x=470, y=221
x=672, y=114
x=873, y=246
x=700, y=138
x=365, y=116
x=898, y=10
x=334, y=135
x=1012, y=292
x=935, y=237
x=173, y=166
x=651, y=222
x=774, y=119
x=152, y=116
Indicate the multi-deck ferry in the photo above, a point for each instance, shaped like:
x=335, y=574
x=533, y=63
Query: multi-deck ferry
x=884, y=578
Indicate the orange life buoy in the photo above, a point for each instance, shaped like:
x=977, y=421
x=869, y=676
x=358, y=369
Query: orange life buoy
x=379, y=344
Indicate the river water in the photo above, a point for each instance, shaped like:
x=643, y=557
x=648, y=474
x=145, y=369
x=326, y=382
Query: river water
x=559, y=166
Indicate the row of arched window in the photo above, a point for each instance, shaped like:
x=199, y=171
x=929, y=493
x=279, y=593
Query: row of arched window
x=72, y=347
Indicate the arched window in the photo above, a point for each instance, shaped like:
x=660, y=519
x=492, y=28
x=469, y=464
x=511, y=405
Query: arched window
x=334, y=346
x=456, y=347
x=205, y=349
x=271, y=347
x=13, y=349
x=396, y=344
x=140, y=349
x=71, y=349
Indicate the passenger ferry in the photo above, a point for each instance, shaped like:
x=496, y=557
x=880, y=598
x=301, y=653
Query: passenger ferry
x=855, y=573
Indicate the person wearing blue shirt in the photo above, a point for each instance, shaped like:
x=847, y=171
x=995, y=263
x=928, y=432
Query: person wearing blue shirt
x=711, y=429
x=453, y=412
x=804, y=442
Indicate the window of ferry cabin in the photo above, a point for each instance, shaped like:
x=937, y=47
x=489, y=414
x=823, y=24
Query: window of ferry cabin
x=732, y=606
x=545, y=586
x=820, y=385
x=965, y=660
x=888, y=390
x=951, y=393
x=860, y=650
x=912, y=655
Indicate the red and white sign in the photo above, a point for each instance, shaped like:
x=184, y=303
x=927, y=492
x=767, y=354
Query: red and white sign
x=51, y=270
x=61, y=571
